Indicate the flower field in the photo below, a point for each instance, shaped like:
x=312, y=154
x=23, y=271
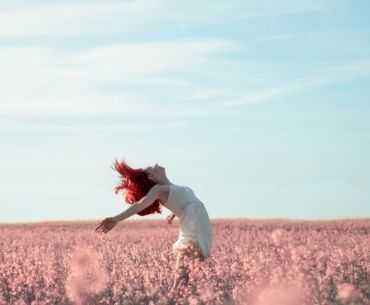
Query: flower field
x=253, y=263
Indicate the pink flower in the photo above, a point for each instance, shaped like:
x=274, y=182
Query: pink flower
x=345, y=291
x=86, y=276
x=282, y=295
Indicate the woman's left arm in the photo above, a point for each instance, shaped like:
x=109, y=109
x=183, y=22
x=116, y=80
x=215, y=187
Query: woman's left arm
x=108, y=223
x=142, y=204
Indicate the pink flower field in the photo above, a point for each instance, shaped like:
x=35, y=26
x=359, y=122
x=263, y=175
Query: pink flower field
x=253, y=262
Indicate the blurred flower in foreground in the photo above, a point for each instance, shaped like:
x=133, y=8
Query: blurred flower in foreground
x=347, y=291
x=282, y=295
x=86, y=277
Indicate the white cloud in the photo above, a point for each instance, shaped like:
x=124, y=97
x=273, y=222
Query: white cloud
x=45, y=81
x=120, y=61
x=109, y=62
x=85, y=105
x=276, y=37
x=73, y=19
x=40, y=20
x=72, y=127
x=321, y=76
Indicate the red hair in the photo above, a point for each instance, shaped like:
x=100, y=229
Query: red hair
x=137, y=185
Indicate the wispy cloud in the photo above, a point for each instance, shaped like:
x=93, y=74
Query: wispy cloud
x=96, y=127
x=121, y=61
x=46, y=81
x=73, y=19
x=276, y=37
x=21, y=21
x=318, y=77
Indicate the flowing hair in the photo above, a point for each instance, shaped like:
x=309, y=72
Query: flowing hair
x=137, y=185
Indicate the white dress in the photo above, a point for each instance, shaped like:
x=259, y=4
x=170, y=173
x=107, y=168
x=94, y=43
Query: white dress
x=194, y=221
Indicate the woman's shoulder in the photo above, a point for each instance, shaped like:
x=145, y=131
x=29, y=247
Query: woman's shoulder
x=164, y=187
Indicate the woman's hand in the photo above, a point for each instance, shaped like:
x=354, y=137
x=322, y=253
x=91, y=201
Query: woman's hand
x=106, y=225
x=170, y=218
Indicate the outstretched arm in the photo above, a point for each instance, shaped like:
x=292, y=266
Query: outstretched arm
x=142, y=204
x=108, y=223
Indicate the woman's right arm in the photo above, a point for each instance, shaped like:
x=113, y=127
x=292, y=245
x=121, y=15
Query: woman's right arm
x=170, y=218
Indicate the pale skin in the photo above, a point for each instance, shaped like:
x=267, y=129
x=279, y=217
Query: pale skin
x=159, y=191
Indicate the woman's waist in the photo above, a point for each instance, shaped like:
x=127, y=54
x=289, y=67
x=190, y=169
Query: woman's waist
x=193, y=202
x=181, y=209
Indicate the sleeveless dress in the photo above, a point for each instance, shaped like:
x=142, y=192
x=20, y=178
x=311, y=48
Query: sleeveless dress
x=194, y=221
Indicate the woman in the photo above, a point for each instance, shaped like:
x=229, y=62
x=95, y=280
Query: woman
x=148, y=189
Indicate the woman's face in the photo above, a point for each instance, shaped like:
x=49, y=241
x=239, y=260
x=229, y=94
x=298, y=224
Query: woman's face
x=155, y=172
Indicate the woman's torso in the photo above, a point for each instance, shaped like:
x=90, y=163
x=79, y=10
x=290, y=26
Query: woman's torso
x=177, y=198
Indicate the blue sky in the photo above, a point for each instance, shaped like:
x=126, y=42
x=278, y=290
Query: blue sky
x=261, y=107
